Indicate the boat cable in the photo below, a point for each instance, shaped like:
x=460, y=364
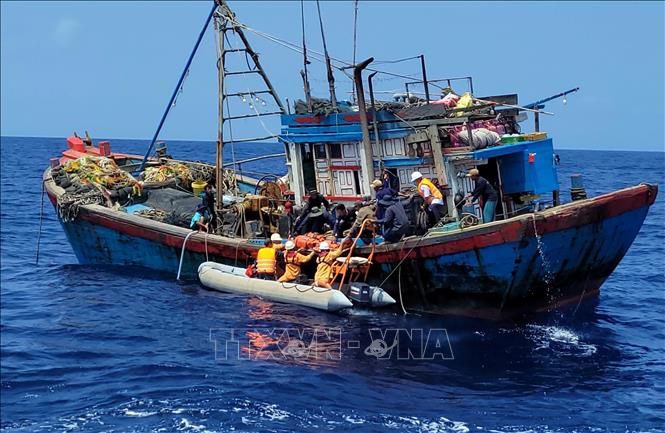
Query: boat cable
x=403, y=258
x=41, y=219
x=318, y=55
x=205, y=241
x=399, y=285
x=182, y=252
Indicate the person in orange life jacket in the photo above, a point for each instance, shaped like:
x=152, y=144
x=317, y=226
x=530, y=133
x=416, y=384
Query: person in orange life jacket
x=278, y=246
x=431, y=194
x=266, y=261
x=293, y=259
x=484, y=190
x=198, y=221
x=324, y=263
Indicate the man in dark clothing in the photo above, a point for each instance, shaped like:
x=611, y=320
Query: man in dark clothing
x=343, y=221
x=314, y=222
x=314, y=200
x=209, y=203
x=382, y=189
x=395, y=222
x=486, y=192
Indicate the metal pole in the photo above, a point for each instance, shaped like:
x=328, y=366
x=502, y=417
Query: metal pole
x=422, y=65
x=219, y=157
x=177, y=87
x=536, y=121
x=375, y=124
x=362, y=111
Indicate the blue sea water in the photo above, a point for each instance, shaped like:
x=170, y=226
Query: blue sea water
x=95, y=348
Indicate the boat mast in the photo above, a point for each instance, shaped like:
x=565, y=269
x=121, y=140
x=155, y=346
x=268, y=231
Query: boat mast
x=220, y=22
x=331, y=77
x=225, y=21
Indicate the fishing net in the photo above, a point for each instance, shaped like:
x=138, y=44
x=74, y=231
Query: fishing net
x=100, y=171
x=172, y=170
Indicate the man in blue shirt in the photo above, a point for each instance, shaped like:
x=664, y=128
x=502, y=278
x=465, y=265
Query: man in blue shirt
x=199, y=219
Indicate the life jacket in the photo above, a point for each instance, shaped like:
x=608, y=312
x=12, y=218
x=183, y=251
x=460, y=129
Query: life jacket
x=290, y=257
x=266, y=260
x=433, y=189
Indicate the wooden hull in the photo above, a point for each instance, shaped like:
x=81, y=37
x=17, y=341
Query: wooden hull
x=525, y=263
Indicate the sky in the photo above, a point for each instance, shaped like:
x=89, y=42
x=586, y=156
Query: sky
x=110, y=67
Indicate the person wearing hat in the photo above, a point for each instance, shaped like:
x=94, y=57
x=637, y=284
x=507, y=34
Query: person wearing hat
x=314, y=222
x=395, y=222
x=431, y=194
x=382, y=190
x=293, y=259
x=324, y=264
x=198, y=221
x=278, y=246
x=486, y=192
x=315, y=200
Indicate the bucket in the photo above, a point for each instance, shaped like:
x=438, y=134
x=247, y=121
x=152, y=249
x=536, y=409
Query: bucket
x=198, y=186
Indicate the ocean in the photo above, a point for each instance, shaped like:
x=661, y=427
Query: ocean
x=97, y=348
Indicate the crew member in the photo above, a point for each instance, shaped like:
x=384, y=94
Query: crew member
x=294, y=259
x=209, y=203
x=367, y=210
x=314, y=200
x=431, y=194
x=314, y=222
x=198, y=221
x=278, y=246
x=486, y=192
x=324, y=264
x=382, y=189
x=343, y=221
x=266, y=261
x=395, y=222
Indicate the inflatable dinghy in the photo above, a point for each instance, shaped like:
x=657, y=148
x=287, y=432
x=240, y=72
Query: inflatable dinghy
x=232, y=279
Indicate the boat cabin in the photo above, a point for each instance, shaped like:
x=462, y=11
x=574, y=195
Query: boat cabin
x=325, y=152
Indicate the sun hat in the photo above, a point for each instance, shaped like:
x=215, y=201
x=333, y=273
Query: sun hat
x=376, y=183
x=316, y=211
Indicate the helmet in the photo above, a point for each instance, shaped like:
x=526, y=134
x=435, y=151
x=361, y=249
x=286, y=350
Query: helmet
x=275, y=237
x=416, y=175
x=289, y=245
x=324, y=246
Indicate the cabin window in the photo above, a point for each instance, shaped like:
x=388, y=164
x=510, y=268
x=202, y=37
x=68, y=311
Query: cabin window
x=320, y=151
x=335, y=151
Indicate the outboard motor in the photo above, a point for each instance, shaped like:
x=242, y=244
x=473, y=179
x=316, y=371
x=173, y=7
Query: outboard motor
x=364, y=294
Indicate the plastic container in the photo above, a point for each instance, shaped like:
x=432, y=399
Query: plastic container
x=198, y=186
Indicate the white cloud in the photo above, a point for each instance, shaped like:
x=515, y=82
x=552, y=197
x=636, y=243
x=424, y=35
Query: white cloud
x=65, y=31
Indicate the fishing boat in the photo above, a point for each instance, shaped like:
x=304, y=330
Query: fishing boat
x=539, y=253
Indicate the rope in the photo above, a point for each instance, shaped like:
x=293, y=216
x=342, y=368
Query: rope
x=205, y=240
x=182, y=253
x=402, y=261
x=41, y=218
x=399, y=282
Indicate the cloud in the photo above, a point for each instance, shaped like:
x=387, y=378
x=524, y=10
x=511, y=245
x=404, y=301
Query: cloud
x=65, y=31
